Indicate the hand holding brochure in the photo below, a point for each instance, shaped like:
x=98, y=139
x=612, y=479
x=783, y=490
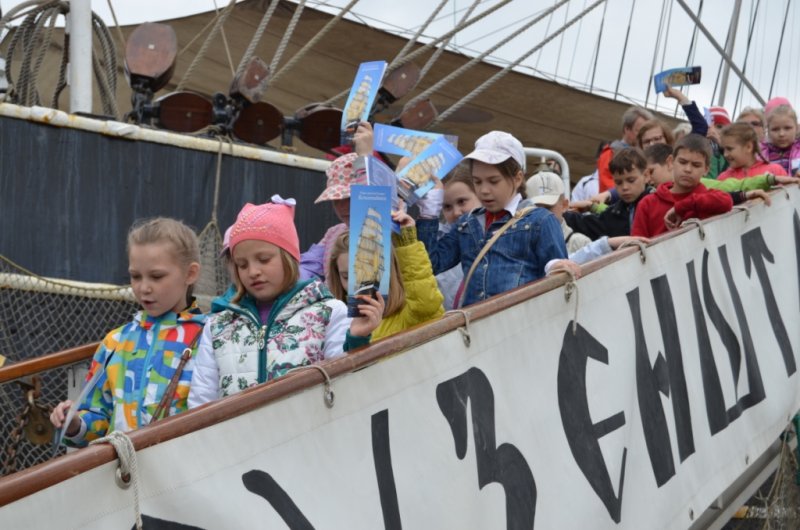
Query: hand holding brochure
x=416, y=179
x=370, y=257
x=362, y=97
x=689, y=75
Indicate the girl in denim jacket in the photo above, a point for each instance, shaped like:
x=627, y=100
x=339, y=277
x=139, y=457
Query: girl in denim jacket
x=521, y=252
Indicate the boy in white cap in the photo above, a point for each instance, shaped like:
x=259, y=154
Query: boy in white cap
x=546, y=189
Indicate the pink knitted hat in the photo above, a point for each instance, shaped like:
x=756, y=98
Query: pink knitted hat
x=340, y=178
x=719, y=116
x=775, y=102
x=270, y=222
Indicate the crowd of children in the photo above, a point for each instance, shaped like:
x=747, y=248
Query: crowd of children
x=488, y=228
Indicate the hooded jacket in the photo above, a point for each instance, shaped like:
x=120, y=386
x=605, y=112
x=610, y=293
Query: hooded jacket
x=699, y=203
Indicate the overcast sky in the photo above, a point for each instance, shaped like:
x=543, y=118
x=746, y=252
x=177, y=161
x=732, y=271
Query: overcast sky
x=569, y=58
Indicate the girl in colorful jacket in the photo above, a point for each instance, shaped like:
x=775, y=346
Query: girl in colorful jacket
x=782, y=146
x=519, y=254
x=414, y=296
x=274, y=322
x=137, y=363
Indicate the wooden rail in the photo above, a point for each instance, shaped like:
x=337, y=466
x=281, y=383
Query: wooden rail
x=47, y=362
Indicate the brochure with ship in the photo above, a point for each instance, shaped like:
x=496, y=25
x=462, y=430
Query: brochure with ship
x=405, y=142
x=415, y=180
x=689, y=75
x=376, y=173
x=370, y=252
x=362, y=97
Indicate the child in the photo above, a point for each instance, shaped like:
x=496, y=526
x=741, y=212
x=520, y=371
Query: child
x=546, y=189
x=459, y=199
x=685, y=197
x=628, y=168
x=782, y=146
x=740, y=146
x=136, y=363
x=531, y=236
x=275, y=322
x=413, y=294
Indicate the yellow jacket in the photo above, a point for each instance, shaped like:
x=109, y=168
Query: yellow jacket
x=423, y=299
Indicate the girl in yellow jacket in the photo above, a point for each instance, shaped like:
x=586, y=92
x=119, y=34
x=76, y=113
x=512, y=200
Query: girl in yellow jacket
x=414, y=296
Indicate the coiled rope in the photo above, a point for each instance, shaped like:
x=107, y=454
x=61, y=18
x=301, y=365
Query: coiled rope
x=475, y=60
x=489, y=82
x=127, y=472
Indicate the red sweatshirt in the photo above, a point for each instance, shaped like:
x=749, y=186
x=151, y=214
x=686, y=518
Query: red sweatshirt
x=700, y=203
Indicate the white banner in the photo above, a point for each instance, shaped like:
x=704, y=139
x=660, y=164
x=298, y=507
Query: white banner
x=680, y=372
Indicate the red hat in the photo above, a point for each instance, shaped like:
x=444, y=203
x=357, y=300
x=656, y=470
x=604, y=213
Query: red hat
x=719, y=116
x=271, y=222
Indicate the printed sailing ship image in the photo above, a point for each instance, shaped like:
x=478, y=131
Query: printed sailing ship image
x=414, y=144
x=362, y=96
x=368, y=265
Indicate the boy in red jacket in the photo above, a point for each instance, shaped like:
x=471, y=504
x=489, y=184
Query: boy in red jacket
x=684, y=198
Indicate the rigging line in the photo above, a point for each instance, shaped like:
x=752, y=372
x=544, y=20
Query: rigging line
x=225, y=43
x=498, y=30
x=546, y=32
x=719, y=72
x=753, y=16
x=664, y=49
x=780, y=45
x=692, y=47
x=410, y=42
x=624, y=50
x=597, y=47
x=251, y=48
x=120, y=36
x=489, y=82
x=419, y=51
x=310, y=44
x=575, y=44
x=796, y=70
x=223, y=16
x=655, y=54
x=286, y=36
x=199, y=33
x=443, y=46
x=466, y=66
x=561, y=39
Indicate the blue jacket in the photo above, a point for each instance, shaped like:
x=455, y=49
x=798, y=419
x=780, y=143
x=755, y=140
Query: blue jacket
x=518, y=256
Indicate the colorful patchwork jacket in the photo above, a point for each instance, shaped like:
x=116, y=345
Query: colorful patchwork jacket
x=138, y=361
x=238, y=350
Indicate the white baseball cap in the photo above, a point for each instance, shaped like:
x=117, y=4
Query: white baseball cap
x=496, y=147
x=545, y=188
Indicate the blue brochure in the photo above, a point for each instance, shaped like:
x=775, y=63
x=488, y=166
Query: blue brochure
x=689, y=75
x=376, y=173
x=415, y=180
x=370, y=253
x=405, y=142
x=362, y=97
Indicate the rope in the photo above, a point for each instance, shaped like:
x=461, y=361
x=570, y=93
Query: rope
x=780, y=44
x=429, y=64
x=197, y=36
x=127, y=472
x=328, y=395
x=225, y=43
x=419, y=51
x=466, y=66
x=201, y=53
x=310, y=44
x=120, y=36
x=410, y=42
x=698, y=223
x=489, y=82
x=464, y=331
x=624, y=50
x=286, y=36
x=655, y=52
x=753, y=16
x=636, y=243
x=570, y=288
x=597, y=47
x=251, y=48
x=218, y=177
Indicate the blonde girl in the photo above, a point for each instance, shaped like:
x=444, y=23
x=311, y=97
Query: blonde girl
x=740, y=147
x=782, y=146
x=275, y=321
x=141, y=371
x=413, y=298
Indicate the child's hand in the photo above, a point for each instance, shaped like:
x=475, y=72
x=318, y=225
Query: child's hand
x=676, y=94
x=672, y=220
x=565, y=265
x=581, y=206
x=59, y=415
x=362, y=139
x=601, y=198
x=371, y=310
x=617, y=242
x=784, y=180
x=403, y=219
x=758, y=194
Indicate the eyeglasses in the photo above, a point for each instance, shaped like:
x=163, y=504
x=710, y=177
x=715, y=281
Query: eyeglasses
x=653, y=140
x=754, y=123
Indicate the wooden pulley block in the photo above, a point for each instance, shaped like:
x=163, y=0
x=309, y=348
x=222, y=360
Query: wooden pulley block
x=258, y=123
x=252, y=82
x=400, y=82
x=150, y=55
x=38, y=430
x=184, y=112
x=319, y=126
x=417, y=116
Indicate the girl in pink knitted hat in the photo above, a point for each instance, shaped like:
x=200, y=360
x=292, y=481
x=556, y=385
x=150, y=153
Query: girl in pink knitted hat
x=274, y=322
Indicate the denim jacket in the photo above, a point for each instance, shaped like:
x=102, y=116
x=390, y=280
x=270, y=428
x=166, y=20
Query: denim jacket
x=518, y=256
